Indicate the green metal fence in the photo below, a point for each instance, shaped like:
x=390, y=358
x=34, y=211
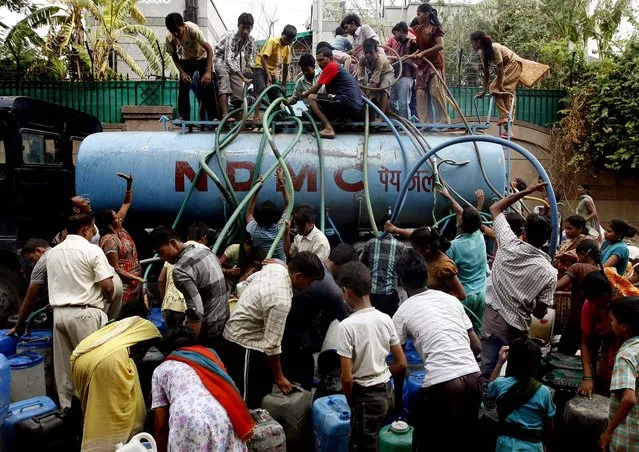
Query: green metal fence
x=105, y=99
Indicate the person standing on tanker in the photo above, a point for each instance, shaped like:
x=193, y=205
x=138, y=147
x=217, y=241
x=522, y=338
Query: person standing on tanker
x=190, y=52
x=343, y=98
x=341, y=41
x=275, y=51
x=351, y=64
x=510, y=68
x=380, y=74
x=429, y=82
x=80, y=282
x=234, y=53
x=401, y=92
x=360, y=33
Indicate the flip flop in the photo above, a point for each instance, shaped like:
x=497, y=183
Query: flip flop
x=327, y=135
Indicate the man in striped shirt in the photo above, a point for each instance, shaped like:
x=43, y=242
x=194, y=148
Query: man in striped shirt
x=522, y=283
x=380, y=256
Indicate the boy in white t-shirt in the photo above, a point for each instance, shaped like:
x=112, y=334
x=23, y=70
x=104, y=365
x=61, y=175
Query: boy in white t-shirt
x=364, y=341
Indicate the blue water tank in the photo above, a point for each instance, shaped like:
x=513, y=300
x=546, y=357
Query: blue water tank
x=164, y=165
x=5, y=387
x=331, y=417
x=8, y=343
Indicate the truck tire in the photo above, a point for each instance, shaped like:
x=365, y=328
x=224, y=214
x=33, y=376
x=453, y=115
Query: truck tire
x=12, y=287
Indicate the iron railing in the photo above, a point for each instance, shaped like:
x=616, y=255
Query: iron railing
x=105, y=99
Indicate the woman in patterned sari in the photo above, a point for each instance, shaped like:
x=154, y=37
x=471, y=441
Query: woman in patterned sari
x=118, y=245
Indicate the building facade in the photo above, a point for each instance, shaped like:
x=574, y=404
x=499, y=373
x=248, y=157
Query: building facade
x=202, y=12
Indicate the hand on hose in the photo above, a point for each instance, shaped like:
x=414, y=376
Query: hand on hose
x=539, y=186
x=245, y=79
x=389, y=227
x=186, y=78
x=443, y=191
x=481, y=94
x=479, y=194
x=586, y=388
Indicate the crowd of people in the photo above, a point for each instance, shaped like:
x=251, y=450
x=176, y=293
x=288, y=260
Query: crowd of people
x=405, y=75
x=239, y=323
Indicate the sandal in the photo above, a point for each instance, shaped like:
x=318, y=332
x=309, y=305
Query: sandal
x=328, y=136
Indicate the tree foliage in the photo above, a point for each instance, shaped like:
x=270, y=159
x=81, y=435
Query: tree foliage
x=603, y=115
x=88, y=35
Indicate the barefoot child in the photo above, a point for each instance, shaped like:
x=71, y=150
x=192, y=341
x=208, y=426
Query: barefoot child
x=524, y=405
x=365, y=339
x=623, y=425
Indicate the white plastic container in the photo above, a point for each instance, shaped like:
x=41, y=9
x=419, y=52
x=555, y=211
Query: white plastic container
x=543, y=329
x=40, y=342
x=27, y=376
x=136, y=445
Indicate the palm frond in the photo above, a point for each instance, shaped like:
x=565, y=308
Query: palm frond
x=128, y=59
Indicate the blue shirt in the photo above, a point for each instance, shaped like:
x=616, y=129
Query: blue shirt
x=468, y=251
x=532, y=415
x=619, y=249
x=264, y=238
x=341, y=43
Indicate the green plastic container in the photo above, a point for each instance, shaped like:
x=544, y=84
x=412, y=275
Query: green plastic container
x=396, y=437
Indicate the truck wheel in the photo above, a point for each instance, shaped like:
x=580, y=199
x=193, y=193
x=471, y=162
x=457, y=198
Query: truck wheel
x=12, y=287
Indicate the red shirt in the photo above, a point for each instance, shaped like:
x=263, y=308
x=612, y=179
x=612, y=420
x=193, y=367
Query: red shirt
x=328, y=73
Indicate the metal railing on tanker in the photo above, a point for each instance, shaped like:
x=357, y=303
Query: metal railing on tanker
x=104, y=99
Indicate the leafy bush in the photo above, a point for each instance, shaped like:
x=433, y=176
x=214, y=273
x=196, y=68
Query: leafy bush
x=601, y=124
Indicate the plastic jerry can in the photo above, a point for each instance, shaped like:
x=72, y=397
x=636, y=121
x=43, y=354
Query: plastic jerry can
x=44, y=432
x=397, y=437
x=23, y=410
x=291, y=411
x=8, y=343
x=136, y=444
x=5, y=387
x=412, y=386
x=331, y=417
x=268, y=434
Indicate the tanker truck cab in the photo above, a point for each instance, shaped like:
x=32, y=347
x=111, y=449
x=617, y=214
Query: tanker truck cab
x=38, y=144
